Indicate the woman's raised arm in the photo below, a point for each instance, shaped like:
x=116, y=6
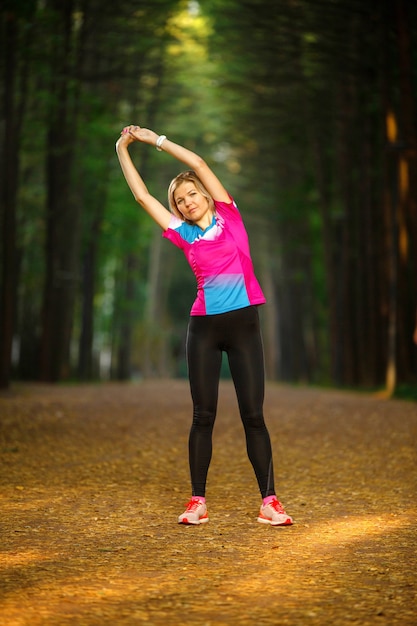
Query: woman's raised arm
x=192, y=160
x=152, y=206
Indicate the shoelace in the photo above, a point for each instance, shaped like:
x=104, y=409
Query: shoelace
x=193, y=505
x=277, y=506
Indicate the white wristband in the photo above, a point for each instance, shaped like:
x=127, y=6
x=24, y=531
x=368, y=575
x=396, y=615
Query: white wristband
x=159, y=142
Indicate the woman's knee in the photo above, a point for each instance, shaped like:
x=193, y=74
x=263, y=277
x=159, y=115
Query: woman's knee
x=204, y=419
x=253, y=419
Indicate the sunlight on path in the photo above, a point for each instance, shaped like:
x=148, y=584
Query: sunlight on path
x=83, y=543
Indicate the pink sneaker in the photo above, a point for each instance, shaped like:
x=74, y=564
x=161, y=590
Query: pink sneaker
x=274, y=514
x=195, y=513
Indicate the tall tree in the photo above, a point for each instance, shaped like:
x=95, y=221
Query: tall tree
x=317, y=117
x=290, y=103
x=16, y=34
x=62, y=233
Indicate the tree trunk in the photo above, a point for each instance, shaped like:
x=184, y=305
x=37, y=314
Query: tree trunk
x=270, y=313
x=9, y=169
x=152, y=313
x=13, y=108
x=62, y=237
x=124, y=356
x=89, y=268
x=407, y=200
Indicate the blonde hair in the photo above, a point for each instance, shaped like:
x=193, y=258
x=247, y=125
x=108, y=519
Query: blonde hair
x=185, y=177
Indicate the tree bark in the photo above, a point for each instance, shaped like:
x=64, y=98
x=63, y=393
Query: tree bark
x=9, y=169
x=13, y=109
x=89, y=269
x=407, y=193
x=62, y=237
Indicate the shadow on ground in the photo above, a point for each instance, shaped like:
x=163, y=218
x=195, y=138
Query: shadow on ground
x=94, y=477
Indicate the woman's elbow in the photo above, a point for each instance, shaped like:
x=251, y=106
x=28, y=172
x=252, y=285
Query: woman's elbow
x=141, y=197
x=199, y=164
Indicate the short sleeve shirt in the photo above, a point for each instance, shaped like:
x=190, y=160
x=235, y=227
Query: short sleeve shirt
x=220, y=259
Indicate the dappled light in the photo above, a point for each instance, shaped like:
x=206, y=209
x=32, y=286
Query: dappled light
x=88, y=470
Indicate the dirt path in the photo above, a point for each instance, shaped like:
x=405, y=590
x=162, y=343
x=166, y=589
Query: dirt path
x=93, y=479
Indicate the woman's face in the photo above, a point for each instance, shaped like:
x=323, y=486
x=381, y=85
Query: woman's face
x=192, y=204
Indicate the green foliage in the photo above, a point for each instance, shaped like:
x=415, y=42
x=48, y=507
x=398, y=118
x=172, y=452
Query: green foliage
x=286, y=101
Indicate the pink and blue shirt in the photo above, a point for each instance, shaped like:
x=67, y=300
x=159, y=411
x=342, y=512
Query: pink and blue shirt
x=220, y=259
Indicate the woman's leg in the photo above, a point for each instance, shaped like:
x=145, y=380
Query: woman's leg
x=246, y=360
x=204, y=361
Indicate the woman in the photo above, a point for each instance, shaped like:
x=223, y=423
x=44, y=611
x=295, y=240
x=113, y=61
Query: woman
x=206, y=224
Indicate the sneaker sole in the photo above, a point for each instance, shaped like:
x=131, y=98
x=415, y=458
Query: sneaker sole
x=263, y=520
x=203, y=520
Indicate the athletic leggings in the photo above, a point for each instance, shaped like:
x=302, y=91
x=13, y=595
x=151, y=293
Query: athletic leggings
x=238, y=334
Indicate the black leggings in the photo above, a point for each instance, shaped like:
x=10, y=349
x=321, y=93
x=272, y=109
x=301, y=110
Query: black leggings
x=238, y=334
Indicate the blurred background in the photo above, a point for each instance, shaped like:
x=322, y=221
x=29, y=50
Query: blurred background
x=307, y=111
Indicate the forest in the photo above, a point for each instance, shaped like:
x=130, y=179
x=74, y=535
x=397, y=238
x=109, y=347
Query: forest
x=307, y=111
